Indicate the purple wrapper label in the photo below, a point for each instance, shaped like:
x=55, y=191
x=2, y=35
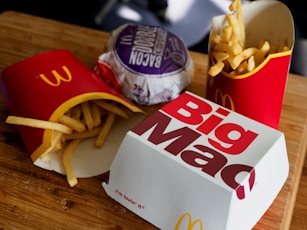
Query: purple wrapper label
x=150, y=50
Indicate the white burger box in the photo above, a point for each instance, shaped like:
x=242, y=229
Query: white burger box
x=197, y=165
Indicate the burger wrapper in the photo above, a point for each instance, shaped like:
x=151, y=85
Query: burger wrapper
x=46, y=86
x=147, y=64
x=258, y=94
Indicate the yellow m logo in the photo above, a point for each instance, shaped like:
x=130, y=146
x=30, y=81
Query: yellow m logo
x=224, y=100
x=191, y=224
x=57, y=77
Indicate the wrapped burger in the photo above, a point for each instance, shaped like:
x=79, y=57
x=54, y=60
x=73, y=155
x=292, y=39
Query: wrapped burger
x=147, y=64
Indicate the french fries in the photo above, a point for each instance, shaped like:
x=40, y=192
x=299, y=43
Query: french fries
x=35, y=123
x=229, y=51
x=90, y=119
x=67, y=154
x=105, y=130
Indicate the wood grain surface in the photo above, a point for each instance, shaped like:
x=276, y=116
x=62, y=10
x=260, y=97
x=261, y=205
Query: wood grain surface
x=35, y=198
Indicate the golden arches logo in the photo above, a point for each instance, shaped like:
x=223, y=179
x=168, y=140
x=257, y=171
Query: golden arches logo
x=58, y=78
x=191, y=224
x=224, y=99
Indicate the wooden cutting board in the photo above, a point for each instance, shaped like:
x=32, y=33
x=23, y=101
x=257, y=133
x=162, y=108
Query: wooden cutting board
x=35, y=198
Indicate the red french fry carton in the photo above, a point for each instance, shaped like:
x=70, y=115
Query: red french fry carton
x=46, y=86
x=197, y=165
x=258, y=94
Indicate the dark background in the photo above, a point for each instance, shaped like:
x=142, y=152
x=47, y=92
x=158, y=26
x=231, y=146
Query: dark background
x=82, y=13
x=75, y=12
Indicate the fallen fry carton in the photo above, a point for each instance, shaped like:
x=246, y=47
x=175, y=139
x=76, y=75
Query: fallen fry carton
x=48, y=85
x=197, y=165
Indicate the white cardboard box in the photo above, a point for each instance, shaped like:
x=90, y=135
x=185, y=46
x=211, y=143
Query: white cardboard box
x=197, y=165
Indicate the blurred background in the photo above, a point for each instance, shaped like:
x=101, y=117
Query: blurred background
x=189, y=19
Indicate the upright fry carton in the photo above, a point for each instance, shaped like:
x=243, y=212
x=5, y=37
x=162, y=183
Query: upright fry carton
x=197, y=165
x=257, y=94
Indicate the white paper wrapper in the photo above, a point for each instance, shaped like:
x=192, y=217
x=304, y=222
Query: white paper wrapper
x=148, y=64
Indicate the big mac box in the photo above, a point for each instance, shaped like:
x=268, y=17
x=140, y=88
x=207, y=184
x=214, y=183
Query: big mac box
x=253, y=70
x=49, y=85
x=197, y=165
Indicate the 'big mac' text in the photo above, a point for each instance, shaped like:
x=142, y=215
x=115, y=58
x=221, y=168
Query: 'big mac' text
x=223, y=138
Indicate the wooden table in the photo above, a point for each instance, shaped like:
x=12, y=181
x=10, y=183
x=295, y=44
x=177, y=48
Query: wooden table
x=35, y=198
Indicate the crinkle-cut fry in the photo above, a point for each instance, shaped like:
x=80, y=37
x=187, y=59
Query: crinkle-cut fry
x=66, y=157
x=36, y=123
x=87, y=115
x=105, y=130
x=84, y=135
x=111, y=107
x=216, y=69
x=74, y=124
